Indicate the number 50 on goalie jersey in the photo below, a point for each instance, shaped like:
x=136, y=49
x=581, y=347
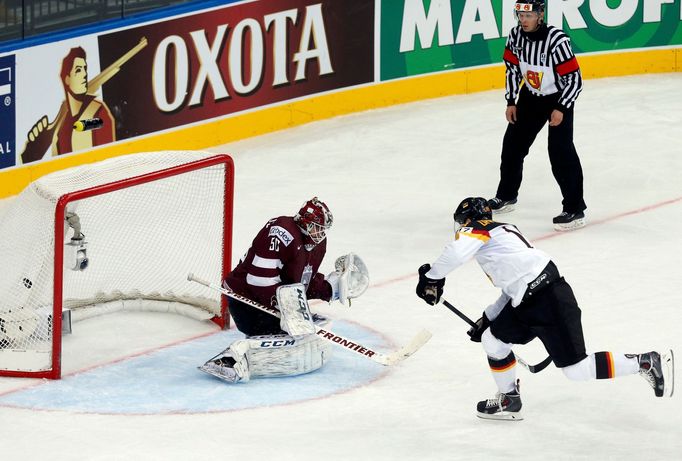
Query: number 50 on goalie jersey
x=278, y=256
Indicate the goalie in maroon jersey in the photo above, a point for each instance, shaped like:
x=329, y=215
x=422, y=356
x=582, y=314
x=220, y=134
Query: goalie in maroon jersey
x=288, y=250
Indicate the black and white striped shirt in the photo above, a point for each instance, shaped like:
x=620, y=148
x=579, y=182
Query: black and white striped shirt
x=545, y=61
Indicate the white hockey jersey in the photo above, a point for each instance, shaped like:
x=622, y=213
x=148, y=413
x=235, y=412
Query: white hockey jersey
x=503, y=253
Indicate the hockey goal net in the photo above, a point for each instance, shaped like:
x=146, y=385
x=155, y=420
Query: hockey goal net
x=118, y=234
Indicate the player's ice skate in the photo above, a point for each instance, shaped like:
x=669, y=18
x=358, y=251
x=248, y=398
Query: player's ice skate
x=505, y=406
x=659, y=371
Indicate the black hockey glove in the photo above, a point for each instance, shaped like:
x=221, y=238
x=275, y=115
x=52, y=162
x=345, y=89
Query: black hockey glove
x=430, y=290
x=476, y=332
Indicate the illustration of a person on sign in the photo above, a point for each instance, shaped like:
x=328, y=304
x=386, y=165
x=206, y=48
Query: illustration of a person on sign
x=61, y=136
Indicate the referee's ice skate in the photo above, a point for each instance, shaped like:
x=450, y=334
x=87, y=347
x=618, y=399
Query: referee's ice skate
x=569, y=221
x=499, y=206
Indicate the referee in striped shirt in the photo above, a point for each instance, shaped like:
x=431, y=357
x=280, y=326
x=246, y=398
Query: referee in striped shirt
x=543, y=72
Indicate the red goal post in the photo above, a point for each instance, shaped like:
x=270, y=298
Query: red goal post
x=146, y=220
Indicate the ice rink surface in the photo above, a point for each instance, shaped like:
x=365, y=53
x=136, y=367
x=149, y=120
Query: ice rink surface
x=392, y=178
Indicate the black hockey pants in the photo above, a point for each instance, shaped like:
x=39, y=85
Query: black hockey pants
x=551, y=314
x=532, y=113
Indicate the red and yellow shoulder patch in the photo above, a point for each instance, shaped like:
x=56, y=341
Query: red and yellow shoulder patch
x=480, y=234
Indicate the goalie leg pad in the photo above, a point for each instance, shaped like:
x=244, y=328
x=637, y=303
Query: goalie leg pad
x=293, y=305
x=284, y=355
x=232, y=364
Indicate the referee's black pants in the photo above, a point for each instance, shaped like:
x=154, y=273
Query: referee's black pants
x=532, y=112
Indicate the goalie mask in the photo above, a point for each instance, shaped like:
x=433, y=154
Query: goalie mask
x=314, y=218
x=472, y=208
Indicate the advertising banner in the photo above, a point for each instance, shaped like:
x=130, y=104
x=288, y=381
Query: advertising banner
x=236, y=58
x=7, y=111
x=424, y=36
x=188, y=69
x=245, y=56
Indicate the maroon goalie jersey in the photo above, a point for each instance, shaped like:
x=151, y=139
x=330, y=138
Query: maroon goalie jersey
x=278, y=256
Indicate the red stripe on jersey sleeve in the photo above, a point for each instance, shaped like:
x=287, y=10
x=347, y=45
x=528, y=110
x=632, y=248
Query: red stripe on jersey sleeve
x=567, y=67
x=482, y=232
x=510, y=57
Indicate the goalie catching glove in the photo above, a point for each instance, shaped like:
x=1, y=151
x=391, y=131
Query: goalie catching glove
x=430, y=290
x=350, y=279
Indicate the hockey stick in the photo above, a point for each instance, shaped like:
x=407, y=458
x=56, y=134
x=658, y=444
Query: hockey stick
x=384, y=359
x=532, y=368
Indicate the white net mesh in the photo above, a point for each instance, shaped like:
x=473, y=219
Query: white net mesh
x=141, y=242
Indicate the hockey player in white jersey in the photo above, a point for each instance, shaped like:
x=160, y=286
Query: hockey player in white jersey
x=536, y=302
